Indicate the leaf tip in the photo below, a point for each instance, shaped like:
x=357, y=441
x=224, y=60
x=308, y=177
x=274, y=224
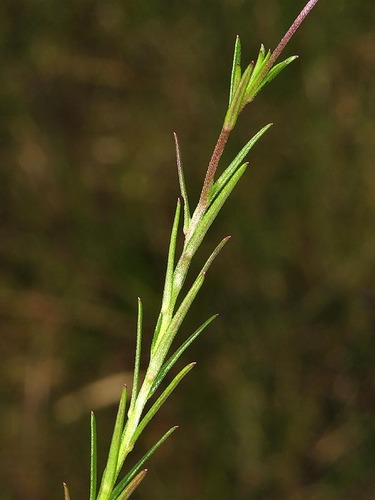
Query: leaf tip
x=66, y=491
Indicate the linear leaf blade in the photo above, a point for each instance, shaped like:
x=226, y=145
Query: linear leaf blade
x=214, y=209
x=273, y=72
x=168, y=285
x=172, y=360
x=161, y=399
x=236, y=69
x=93, y=457
x=137, y=356
x=110, y=472
x=261, y=60
x=131, y=474
x=255, y=81
x=133, y=485
x=229, y=171
x=237, y=102
x=66, y=492
x=181, y=180
x=165, y=341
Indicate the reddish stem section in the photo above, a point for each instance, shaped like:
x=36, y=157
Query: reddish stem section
x=212, y=166
x=288, y=35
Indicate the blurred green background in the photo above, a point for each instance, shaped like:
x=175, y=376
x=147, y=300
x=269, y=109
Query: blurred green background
x=281, y=404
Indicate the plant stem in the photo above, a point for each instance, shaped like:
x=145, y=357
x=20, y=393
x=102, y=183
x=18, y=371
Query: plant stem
x=212, y=166
x=288, y=35
x=208, y=181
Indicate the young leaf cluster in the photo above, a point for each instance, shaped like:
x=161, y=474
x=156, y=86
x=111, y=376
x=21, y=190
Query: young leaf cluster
x=245, y=86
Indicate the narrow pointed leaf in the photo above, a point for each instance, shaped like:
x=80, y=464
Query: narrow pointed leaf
x=161, y=400
x=229, y=171
x=166, y=310
x=256, y=77
x=181, y=312
x=276, y=70
x=236, y=69
x=165, y=341
x=260, y=61
x=137, y=356
x=168, y=286
x=157, y=330
x=214, y=254
x=238, y=98
x=181, y=179
x=93, y=458
x=110, y=472
x=125, y=494
x=172, y=360
x=214, y=209
x=131, y=474
x=66, y=492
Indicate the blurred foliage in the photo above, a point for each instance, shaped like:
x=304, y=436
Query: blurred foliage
x=90, y=93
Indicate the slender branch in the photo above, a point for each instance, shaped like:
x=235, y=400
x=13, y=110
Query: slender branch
x=212, y=166
x=288, y=35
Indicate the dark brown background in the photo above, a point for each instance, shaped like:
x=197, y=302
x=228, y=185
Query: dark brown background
x=281, y=403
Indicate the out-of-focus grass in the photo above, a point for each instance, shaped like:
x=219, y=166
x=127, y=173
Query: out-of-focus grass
x=89, y=96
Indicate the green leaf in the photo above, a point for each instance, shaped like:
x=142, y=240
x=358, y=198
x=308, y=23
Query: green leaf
x=66, y=492
x=273, y=72
x=261, y=61
x=236, y=105
x=181, y=179
x=125, y=494
x=166, y=309
x=168, y=286
x=110, y=472
x=214, y=254
x=161, y=399
x=256, y=77
x=162, y=347
x=229, y=171
x=123, y=483
x=137, y=356
x=93, y=458
x=172, y=360
x=236, y=69
x=214, y=209
x=157, y=330
x=164, y=341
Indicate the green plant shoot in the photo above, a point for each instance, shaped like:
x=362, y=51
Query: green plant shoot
x=176, y=301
